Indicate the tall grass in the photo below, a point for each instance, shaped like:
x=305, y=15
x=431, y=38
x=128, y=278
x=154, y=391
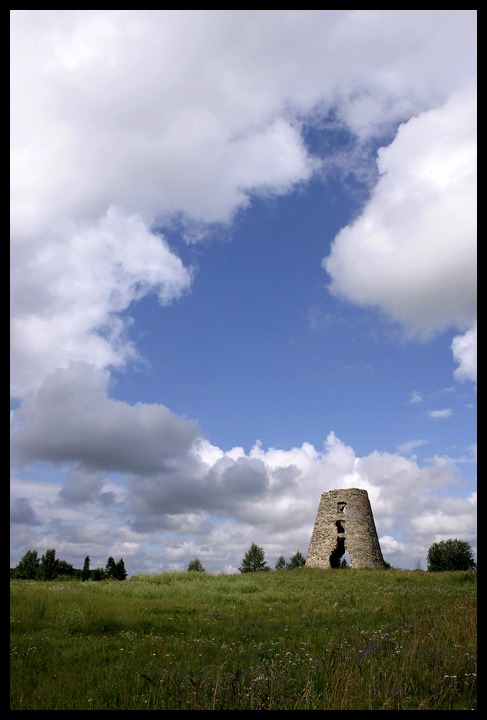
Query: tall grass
x=302, y=639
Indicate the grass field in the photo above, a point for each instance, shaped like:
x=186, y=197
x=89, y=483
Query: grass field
x=301, y=639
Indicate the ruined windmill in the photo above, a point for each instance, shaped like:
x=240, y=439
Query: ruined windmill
x=344, y=521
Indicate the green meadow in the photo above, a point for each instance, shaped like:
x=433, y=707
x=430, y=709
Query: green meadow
x=301, y=639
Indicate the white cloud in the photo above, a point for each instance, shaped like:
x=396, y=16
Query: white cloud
x=455, y=517
x=412, y=251
x=445, y=413
x=407, y=448
x=185, y=115
x=69, y=288
x=158, y=112
x=416, y=397
x=470, y=456
x=222, y=500
x=177, y=111
x=465, y=354
x=390, y=546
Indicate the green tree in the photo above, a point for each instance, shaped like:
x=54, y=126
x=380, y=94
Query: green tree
x=27, y=567
x=281, y=563
x=86, y=574
x=98, y=574
x=114, y=570
x=65, y=568
x=111, y=568
x=296, y=561
x=450, y=555
x=120, y=572
x=253, y=560
x=48, y=569
x=196, y=566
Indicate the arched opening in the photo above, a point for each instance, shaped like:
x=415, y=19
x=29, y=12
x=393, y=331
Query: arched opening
x=337, y=553
x=341, y=507
x=340, y=526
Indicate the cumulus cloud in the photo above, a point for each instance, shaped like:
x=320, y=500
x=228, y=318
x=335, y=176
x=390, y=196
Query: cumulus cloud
x=213, y=504
x=170, y=111
x=69, y=288
x=81, y=486
x=140, y=114
x=179, y=495
x=412, y=251
x=127, y=120
x=454, y=517
x=21, y=512
x=72, y=419
x=464, y=349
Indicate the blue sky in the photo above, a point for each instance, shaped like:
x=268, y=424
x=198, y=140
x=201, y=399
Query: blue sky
x=243, y=268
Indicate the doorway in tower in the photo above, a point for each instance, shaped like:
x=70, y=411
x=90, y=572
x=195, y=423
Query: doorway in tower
x=340, y=555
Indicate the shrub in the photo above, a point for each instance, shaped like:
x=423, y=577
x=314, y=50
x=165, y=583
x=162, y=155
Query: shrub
x=450, y=555
x=196, y=566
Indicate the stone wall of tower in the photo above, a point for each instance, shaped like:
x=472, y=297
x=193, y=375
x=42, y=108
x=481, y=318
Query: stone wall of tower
x=344, y=521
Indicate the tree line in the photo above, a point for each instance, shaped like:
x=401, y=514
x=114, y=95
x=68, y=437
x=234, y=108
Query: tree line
x=445, y=555
x=254, y=561
x=452, y=554
x=49, y=567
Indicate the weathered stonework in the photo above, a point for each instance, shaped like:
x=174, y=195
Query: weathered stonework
x=344, y=521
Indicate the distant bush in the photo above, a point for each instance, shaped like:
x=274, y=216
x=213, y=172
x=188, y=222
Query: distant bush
x=450, y=555
x=196, y=566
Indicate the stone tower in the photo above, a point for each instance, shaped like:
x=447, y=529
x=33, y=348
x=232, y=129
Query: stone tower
x=344, y=521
